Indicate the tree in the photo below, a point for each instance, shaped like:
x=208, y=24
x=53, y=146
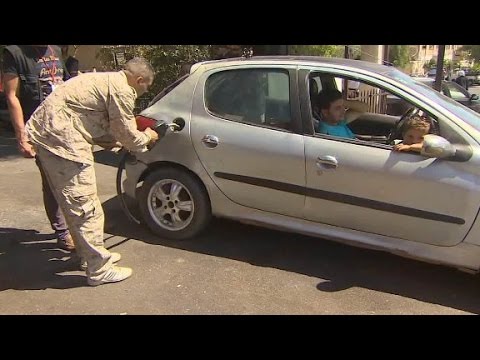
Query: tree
x=317, y=50
x=399, y=55
x=227, y=51
x=473, y=50
x=430, y=65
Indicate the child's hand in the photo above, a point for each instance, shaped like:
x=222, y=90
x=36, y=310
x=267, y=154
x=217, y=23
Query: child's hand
x=401, y=147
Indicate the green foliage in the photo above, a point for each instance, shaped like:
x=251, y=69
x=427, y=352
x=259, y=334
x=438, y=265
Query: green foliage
x=317, y=50
x=449, y=64
x=473, y=50
x=228, y=51
x=399, y=55
x=430, y=65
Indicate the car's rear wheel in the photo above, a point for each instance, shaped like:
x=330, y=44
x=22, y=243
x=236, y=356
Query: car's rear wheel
x=174, y=204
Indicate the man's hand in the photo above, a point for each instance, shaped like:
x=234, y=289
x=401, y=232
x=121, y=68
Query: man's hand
x=152, y=134
x=26, y=149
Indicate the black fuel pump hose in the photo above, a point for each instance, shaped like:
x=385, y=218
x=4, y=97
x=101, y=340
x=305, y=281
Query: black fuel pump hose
x=121, y=195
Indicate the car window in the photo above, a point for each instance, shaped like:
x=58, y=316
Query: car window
x=372, y=113
x=456, y=91
x=255, y=96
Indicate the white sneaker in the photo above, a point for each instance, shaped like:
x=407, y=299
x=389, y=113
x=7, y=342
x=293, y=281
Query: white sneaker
x=115, y=258
x=113, y=275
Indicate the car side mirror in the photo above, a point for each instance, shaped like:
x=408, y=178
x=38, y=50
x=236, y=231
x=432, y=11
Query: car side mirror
x=474, y=97
x=437, y=147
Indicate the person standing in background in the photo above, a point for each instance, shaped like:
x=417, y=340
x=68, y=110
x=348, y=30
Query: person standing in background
x=30, y=74
x=71, y=62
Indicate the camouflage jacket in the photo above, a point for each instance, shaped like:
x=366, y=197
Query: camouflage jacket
x=92, y=108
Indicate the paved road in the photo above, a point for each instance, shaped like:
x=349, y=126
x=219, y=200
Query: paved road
x=474, y=89
x=231, y=269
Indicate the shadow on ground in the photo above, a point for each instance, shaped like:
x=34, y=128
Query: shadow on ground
x=8, y=145
x=30, y=261
x=339, y=266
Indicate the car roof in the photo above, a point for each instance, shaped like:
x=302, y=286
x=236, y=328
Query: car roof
x=429, y=81
x=425, y=79
x=297, y=60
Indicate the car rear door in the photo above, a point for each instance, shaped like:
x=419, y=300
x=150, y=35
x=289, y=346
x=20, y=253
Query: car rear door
x=245, y=129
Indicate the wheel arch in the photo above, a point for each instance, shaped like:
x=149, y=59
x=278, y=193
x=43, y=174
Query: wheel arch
x=152, y=167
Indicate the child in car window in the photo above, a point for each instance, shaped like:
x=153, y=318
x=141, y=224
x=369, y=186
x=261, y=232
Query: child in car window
x=331, y=113
x=414, y=130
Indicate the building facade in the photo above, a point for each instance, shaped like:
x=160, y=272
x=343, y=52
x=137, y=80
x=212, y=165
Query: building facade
x=423, y=54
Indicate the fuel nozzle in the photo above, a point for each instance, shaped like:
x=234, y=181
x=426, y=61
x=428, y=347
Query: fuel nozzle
x=176, y=125
x=161, y=128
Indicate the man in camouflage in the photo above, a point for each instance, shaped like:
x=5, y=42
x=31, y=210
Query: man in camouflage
x=94, y=108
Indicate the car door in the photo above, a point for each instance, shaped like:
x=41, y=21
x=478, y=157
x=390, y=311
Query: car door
x=246, y=131
x=368, y=187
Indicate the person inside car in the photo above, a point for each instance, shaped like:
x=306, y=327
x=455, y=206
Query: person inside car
x=329, y=111
x=414, y=130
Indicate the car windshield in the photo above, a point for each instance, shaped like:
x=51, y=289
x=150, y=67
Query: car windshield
x=469, y=116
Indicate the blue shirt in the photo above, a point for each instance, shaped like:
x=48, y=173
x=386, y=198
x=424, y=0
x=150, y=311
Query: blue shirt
x=340, y=130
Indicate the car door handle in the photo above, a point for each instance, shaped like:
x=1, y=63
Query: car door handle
x=210, y=141
x=327, y=161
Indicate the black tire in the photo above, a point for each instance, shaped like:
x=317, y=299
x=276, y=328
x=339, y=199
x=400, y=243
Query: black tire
x=192, y=188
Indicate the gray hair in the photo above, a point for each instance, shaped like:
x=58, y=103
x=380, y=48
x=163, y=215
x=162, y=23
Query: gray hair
x=139, y=66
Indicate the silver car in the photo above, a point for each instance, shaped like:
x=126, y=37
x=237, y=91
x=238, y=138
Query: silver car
x=249, y=152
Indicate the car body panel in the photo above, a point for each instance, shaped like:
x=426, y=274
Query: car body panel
x=464, y=256
x=390, y=193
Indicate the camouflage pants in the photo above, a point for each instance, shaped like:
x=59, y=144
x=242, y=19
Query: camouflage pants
x=74, y=186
